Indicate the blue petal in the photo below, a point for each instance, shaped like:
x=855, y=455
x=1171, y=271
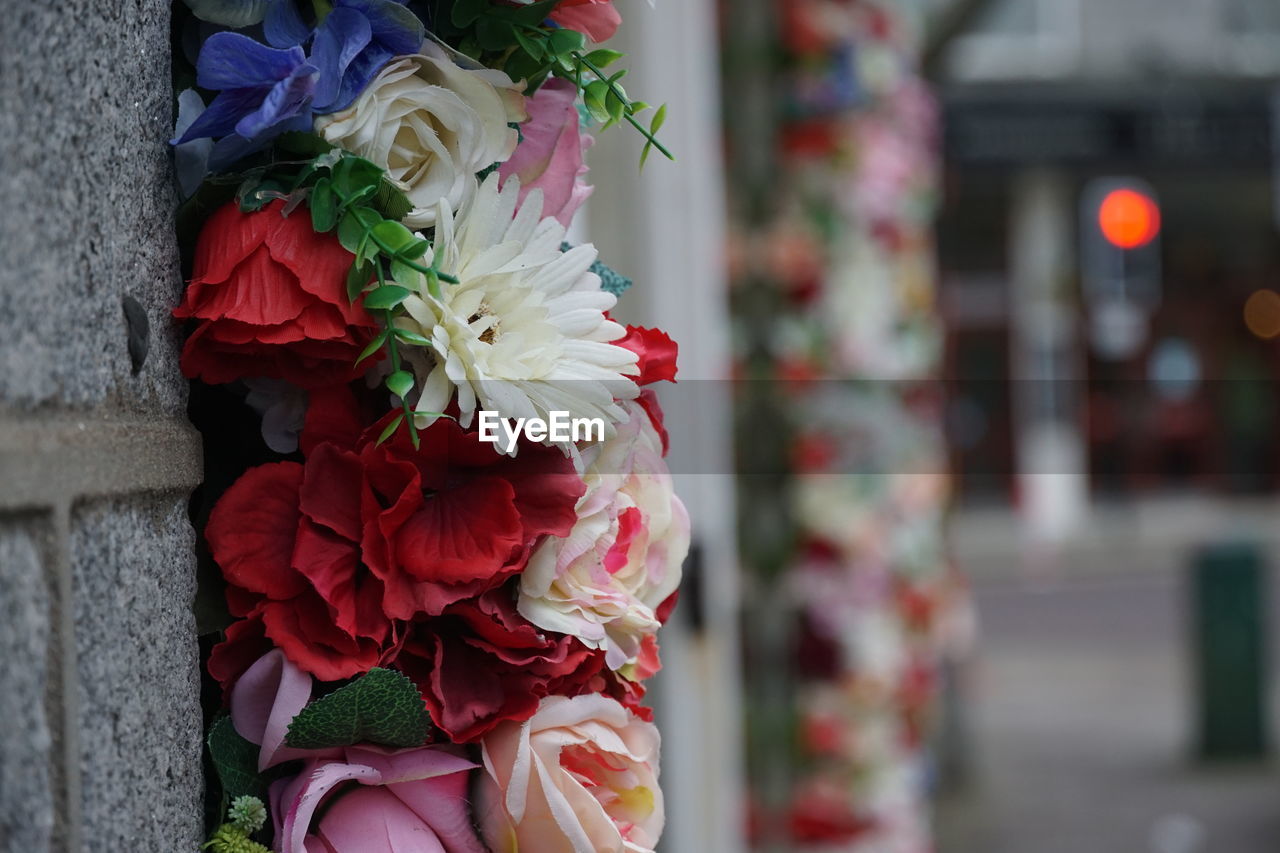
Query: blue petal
x=287, y=99
x=398, y=29
x=340, y=39
x=361, y=70
x=222, y=115
x=229, y=149
x=284, y=26
x=235, y=61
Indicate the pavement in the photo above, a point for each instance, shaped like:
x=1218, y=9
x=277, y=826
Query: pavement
x=1079, y=708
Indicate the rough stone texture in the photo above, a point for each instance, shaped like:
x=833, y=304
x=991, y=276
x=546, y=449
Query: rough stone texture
x=26, y=803
x=85, y=111
x=137, y=659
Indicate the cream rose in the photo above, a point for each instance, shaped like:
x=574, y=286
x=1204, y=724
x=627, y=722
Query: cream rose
x=432, y=125
x=604, y=582
x=579, y=776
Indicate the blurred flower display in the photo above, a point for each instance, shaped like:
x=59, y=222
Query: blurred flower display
x=855, y=343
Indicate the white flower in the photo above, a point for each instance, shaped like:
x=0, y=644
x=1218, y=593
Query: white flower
x=432, y=125
x=604, y=582
x=524, y=332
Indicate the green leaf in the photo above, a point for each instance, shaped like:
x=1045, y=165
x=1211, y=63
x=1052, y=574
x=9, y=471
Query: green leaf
x=391, y=201
x=358, y=277
x=302, y=143
x=381, y=706
x=564, y=41
x=386, y=296
x=495, y=34
x=467, y=12
x=616, y=106
x=324, y=207
x=532, y=15
x=406, y=275
x=603, y=57
x=390, y=429
x=356, y=177
x=644, y=153
x=531, y=46
x=658, y=120
x=412, y=338
x=374, y=346
x=416, y=251
x=351, y=232
x=236, y=761
x=400, y=383
x=593, y=96
x=393, y=235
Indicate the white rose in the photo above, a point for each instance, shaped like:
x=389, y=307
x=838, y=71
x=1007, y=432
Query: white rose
x=432, y=125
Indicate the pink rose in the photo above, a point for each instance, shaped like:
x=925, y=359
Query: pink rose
x=412, y=799
x=580, y=776
x=549, y=156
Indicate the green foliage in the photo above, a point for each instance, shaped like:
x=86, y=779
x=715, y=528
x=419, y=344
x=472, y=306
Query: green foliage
x=247, y=814
x=381, y=706
x=518, y=40
x=230, y=838
x=236, y=761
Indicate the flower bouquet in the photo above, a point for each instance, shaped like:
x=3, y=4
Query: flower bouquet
x=423, y=638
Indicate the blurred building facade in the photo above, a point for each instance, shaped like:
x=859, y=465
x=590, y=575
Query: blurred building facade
x=1057, y=401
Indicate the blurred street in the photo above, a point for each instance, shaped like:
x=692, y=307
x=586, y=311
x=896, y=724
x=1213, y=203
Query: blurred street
x=1081, y=709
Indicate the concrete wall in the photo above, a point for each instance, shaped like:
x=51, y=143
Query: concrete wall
x=99, y=712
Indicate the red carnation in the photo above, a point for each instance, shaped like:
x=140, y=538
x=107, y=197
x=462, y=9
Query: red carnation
x=270, y=297
x=332, y=555
x=656, y=352
x=596, y=19
x=481, y=662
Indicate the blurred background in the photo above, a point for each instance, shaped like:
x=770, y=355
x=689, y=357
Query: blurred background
x=986, y=293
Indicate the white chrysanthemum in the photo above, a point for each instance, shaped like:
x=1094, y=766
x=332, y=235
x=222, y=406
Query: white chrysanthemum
x=524, y=332
x=432, y=125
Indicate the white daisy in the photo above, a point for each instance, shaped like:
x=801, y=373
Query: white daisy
x=524, y=332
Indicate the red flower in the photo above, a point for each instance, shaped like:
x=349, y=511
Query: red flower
x=480, y=663
x=596, y=19
x=270, y=295
x=332, y=555
x=656, y=351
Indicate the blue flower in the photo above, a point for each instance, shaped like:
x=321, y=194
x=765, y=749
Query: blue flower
x=263, y=92
x=350, y=45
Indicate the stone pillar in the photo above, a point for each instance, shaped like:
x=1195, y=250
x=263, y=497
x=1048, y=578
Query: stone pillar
x=100, y=722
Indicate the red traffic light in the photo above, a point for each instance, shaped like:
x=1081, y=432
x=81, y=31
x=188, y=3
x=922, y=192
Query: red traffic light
x=1128, y=218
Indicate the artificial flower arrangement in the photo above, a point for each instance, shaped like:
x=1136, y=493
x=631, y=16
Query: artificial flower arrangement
x=429, y=641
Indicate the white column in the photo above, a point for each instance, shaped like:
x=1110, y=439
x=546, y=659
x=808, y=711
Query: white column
x=1047, y=369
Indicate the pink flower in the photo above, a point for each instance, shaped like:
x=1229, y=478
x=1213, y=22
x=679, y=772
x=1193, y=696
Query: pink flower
x=606, y=580
x=580, y=776
x=413, y=799
x=596, y=19
x=549, y=156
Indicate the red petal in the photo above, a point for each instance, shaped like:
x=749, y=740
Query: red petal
x=331, y=490
x=228, y=237
x=259, y=291
x=656, y=351
x=463, y=534
x=252, y=528
x=333, y=416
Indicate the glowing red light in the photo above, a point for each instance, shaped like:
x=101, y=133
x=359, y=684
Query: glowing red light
x=1128, y=218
